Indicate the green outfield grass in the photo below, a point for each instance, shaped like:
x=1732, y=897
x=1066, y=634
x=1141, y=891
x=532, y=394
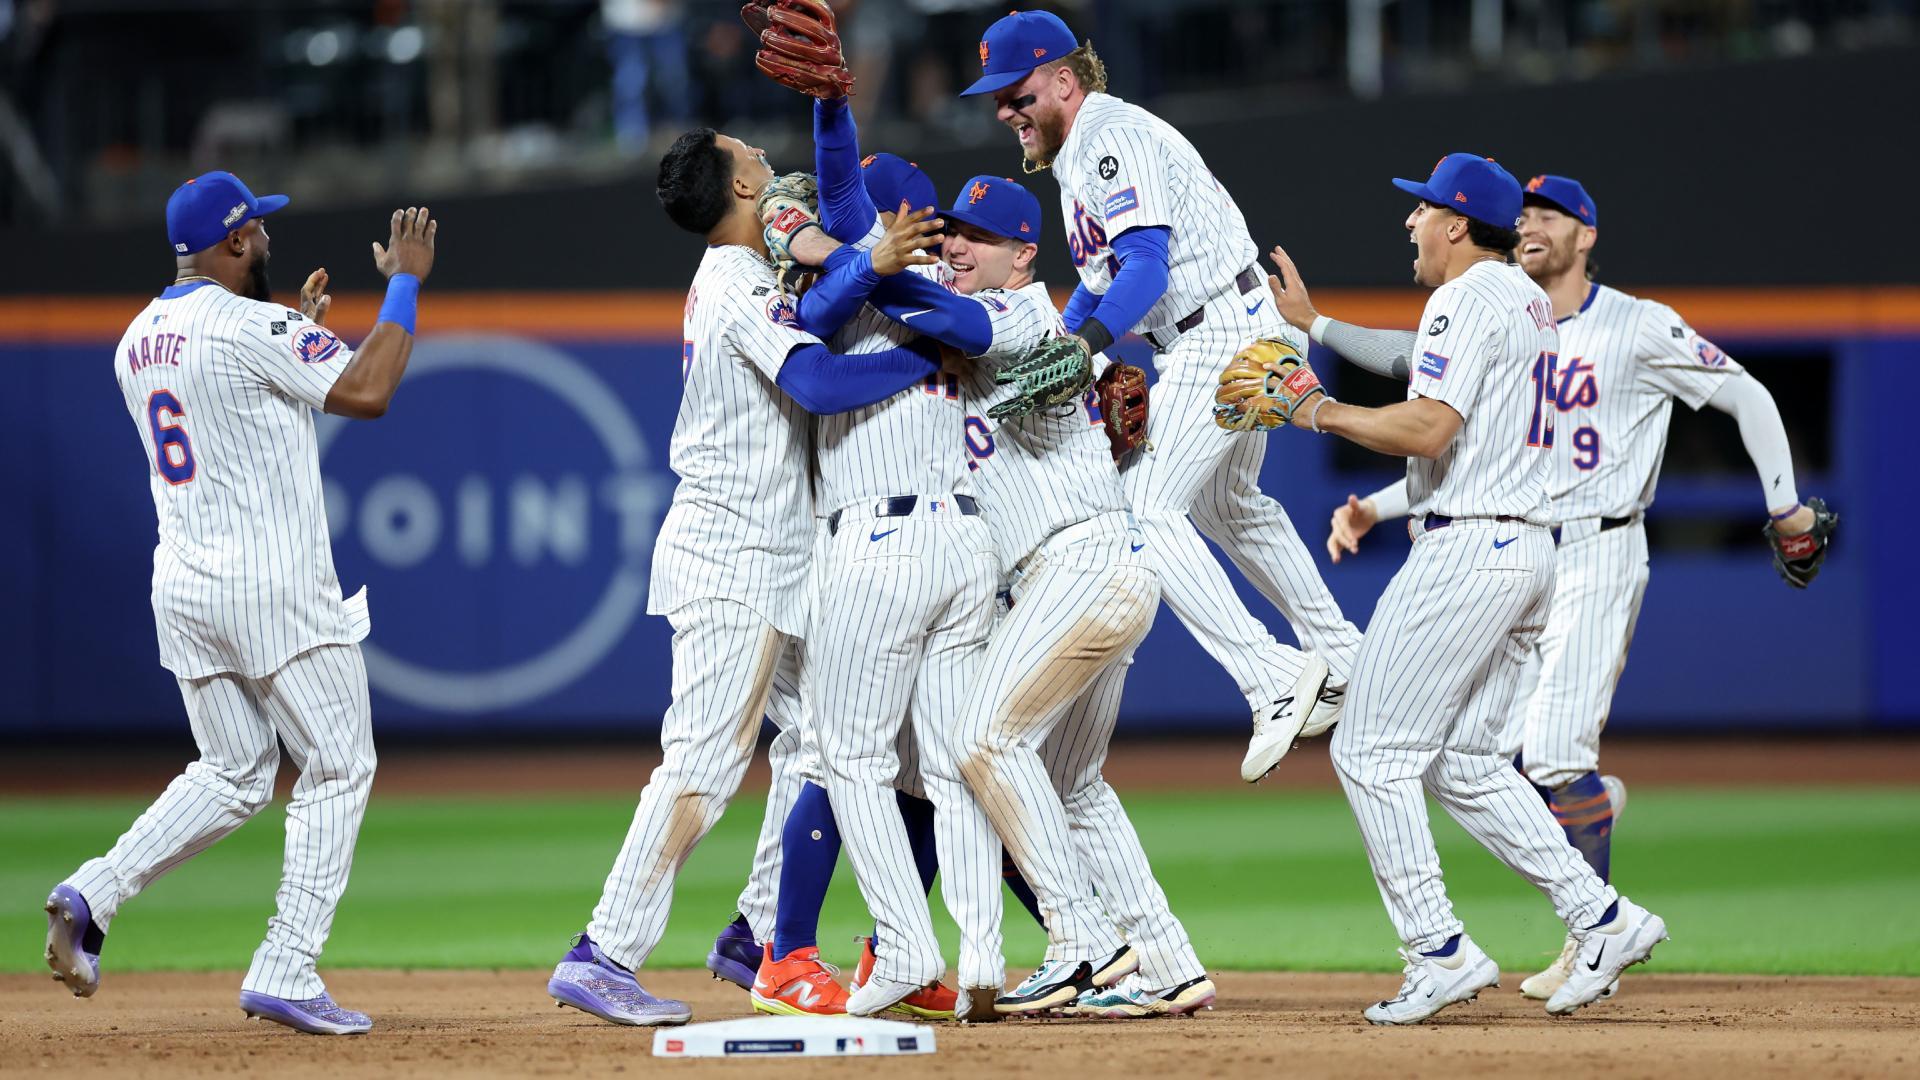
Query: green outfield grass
x=1783, y=880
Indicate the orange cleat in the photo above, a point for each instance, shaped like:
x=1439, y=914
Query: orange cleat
x=798, y=984
x=934, y=1002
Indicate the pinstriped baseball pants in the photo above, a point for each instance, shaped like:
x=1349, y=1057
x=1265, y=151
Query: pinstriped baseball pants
x=1104, y=838
x=1083, y=602
x=1567, y=689
x=316, y=704
x=724, y=658
x=1435, y=679
x=899, y=636
x=792, y=765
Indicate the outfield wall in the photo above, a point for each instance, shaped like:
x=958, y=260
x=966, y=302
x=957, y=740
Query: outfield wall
x=502, y=517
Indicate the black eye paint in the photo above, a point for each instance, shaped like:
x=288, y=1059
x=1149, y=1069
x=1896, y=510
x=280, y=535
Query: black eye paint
x=1021, y=103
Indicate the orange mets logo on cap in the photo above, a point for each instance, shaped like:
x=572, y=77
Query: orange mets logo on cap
x=1460, y=196
x=868, y=160
x=983, y=54
x=1534, y=184
x=1038, y=53
x=977, y=192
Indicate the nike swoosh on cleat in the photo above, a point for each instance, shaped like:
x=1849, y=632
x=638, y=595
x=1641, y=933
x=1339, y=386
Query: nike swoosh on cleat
x=1595, y=966
x=883, y=535
x=1498, y=544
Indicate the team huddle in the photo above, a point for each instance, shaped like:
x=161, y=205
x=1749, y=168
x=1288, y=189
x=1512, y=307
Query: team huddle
x=922, y=524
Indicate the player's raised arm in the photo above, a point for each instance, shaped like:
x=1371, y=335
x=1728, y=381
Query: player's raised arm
x=1383, y=352
x=365, y=389
x=852, y=273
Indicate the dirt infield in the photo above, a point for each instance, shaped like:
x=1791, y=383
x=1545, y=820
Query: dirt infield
x=1135, y=765
x=501, y=1023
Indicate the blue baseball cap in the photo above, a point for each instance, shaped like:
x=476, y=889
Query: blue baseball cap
x=205, y=209
x=1471, y=186
x=1565, y=194
x=1016, y=45
x=998, y=205
x=890, y=179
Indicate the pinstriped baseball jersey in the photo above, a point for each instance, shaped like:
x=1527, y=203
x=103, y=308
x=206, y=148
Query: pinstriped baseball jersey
x=741, y=524
x=1040, y=473
x=1122, y=167
x=908, y=444
x=222, y=390
x=1487, y=348
x=1622, y=362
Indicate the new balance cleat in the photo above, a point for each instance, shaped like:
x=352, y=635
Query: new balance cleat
x=797, y=984
x=1276, y=726
x=930, y=1002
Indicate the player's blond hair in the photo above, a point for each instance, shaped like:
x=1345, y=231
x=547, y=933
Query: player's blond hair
x=1086, y=67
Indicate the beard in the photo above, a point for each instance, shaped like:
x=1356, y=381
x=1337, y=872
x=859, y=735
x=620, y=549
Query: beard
x=1050, y=133
x=1557, y=261
x=257, y=287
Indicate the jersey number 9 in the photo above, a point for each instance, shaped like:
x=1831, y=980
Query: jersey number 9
x=172, y=450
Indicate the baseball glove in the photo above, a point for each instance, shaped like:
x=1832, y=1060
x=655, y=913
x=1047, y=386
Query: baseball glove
x=1798, y=558
x=788, y=206
x=1263, y=386
x=1123, y=405
x=799, y=47
x=1058, y=371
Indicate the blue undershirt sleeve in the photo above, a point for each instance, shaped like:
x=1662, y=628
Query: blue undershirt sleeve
x=1080, y=305
x=931, y=309
x=1141, y=282
x=846, y=210
x=824, y=382
x=838, y=294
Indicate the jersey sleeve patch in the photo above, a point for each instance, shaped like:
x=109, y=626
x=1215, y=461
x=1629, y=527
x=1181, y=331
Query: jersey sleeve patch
x=316, y=345
x=1433, y=365
x=1709, y=353
x=1120, y=202
x=781, y=309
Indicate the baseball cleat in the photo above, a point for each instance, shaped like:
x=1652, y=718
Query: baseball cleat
x=1616, y=796
x=797, y=984
x=315, y=1016
x=1121, y=964
x=976, y=1004
x=930, y=1002
x=1276, y=726
x=1056, y=983
x=73, y=941
x=1605, y=952
x=1333, y=701
x=1132, y=999
x=1434, y=982
x=735, y=956
x=588, y=980
x=1540, y=987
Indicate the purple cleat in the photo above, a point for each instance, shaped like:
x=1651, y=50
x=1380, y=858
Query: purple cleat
x=587, y=980
x=315, y=1016
x=735, y=956
x=73, y=941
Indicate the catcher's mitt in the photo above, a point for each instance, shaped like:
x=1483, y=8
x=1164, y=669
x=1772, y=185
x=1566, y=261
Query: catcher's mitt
x=1263, y=386
x=1058, y=371
x=1798, y=558
x=1123, y=405
x=799, y=47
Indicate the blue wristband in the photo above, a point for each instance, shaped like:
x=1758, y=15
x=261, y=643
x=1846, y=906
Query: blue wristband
x=402, y=305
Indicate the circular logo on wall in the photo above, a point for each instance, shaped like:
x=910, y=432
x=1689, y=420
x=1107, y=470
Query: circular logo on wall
x=512, y=506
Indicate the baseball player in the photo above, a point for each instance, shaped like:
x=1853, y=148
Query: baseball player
x=1437, y=674
x=1623, y=362
x=221, y=383
x=1161, y=248
x=732, y=559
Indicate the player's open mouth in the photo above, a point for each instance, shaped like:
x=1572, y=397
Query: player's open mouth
x=1025, y=131
x=1535, y=248
x=960, y=267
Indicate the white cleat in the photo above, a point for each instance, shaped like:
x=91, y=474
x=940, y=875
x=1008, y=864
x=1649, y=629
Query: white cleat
x=1435, y=982
x=1333, y=701
x=877, y=995
x=1276, y=726
x=1605, y=952
x=1616, y=796
x=1542, y=986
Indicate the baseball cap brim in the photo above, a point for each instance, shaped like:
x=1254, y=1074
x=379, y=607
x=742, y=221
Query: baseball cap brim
x=1534, y=198
x=1416, y=187
x=270, y=203
x=978, y=222
x=987, y=84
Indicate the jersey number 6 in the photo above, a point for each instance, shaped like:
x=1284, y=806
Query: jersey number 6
x=172, y=450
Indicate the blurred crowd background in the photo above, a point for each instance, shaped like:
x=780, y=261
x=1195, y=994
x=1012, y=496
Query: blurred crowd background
x=108, y=102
